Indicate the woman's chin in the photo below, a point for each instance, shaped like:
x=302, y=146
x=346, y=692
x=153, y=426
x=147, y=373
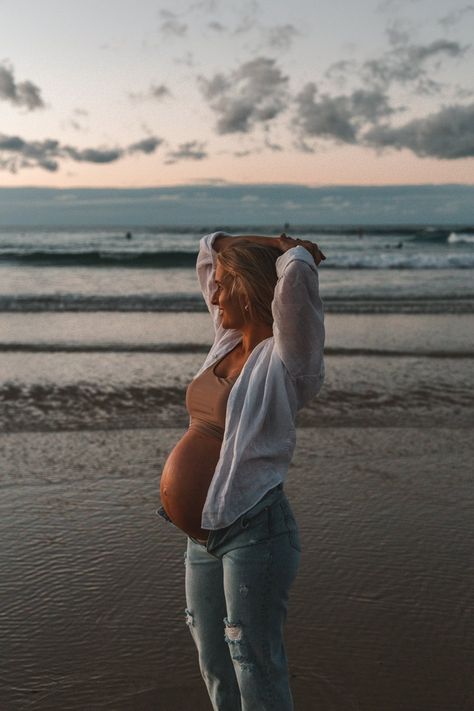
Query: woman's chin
x=227, y=324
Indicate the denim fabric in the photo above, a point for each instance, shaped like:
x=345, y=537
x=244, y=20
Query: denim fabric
x=237, y=587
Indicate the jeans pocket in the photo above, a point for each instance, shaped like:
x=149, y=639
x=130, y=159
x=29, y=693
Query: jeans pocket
x=256, y=527
x=291, y=525
x=251, y=520
x=294, y=538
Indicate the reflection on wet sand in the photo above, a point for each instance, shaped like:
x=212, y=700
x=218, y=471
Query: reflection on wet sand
x=92, y=580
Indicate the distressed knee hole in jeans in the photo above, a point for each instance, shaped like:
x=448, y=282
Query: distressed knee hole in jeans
x=235, y=639
x=189, y=618
x=233, y=631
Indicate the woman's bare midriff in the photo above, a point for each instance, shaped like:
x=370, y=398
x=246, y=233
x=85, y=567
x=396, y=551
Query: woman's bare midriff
x=186, y=478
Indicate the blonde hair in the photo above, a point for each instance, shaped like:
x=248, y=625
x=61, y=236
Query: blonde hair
x=253, y=269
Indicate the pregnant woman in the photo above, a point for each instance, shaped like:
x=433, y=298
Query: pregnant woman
x=222, y=484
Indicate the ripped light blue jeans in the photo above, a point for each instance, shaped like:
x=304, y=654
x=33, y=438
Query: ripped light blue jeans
x=237, y=587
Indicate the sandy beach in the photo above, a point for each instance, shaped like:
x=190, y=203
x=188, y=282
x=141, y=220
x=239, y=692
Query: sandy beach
x=92, y=580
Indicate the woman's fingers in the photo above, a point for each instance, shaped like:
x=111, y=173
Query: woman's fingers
x=313, y=249
x=287, y=242
x=317, y=254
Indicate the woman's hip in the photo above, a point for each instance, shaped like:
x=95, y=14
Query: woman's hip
x=270, y=518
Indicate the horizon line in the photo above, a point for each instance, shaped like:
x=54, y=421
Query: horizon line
x=225, y=183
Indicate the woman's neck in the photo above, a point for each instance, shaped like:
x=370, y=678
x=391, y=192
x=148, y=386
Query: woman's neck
x=253, y=335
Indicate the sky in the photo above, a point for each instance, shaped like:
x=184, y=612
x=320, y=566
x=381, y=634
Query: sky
x=136, y=94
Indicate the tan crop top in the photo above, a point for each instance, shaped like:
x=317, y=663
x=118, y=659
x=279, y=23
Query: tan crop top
x=206, y=402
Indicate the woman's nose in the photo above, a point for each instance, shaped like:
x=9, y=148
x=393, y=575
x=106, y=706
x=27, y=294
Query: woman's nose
x=214, y=299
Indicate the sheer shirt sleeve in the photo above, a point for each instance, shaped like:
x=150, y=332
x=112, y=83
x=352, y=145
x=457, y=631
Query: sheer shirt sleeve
x=298, y=327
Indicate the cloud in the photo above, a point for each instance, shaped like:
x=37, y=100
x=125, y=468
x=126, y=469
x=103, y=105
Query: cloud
x=271, y=144
x=192, y=150
x=399, y=32
x=248, y=19
x=24, y=94
x=17, y=154
x=254, y=93
x=215, y=87
x=462, y=93
x=281, y=36
x=187, y=60
x=159, y=91
x=146, y=145
x=338, y=72
x=75, y=125
x=171, y=25
x=75, y=121
x=455, y=16
x=216, y=26
x=92, y=155
x=338, y=117
x=405, y=63
x=361, y=118
x=301, y=145
x=206, y=6
x=396, y=5
x=447, y=134
x=156, y=92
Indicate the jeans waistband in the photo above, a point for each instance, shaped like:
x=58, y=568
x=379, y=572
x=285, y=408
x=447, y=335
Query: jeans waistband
x=223, y=536
x=268, y=499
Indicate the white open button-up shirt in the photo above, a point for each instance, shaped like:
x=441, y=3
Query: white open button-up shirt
x=282, y=373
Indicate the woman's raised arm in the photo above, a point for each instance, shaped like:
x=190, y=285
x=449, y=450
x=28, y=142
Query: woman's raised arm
x=281, y=242
x=298, y=326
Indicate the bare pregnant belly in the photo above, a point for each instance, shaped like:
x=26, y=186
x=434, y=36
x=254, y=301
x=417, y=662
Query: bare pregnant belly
x=185, y=480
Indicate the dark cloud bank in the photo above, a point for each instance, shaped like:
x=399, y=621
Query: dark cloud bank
x=257, y=92
x=210, y=206
x=16, y=153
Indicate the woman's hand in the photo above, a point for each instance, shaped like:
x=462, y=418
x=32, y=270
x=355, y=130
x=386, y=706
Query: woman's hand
x=284, y=243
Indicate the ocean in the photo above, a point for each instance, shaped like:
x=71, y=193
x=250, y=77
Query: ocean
x=101, y=328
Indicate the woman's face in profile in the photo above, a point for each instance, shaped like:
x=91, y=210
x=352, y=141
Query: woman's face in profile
x=230, y=309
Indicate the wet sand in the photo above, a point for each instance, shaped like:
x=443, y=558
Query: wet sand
x=381, y=614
